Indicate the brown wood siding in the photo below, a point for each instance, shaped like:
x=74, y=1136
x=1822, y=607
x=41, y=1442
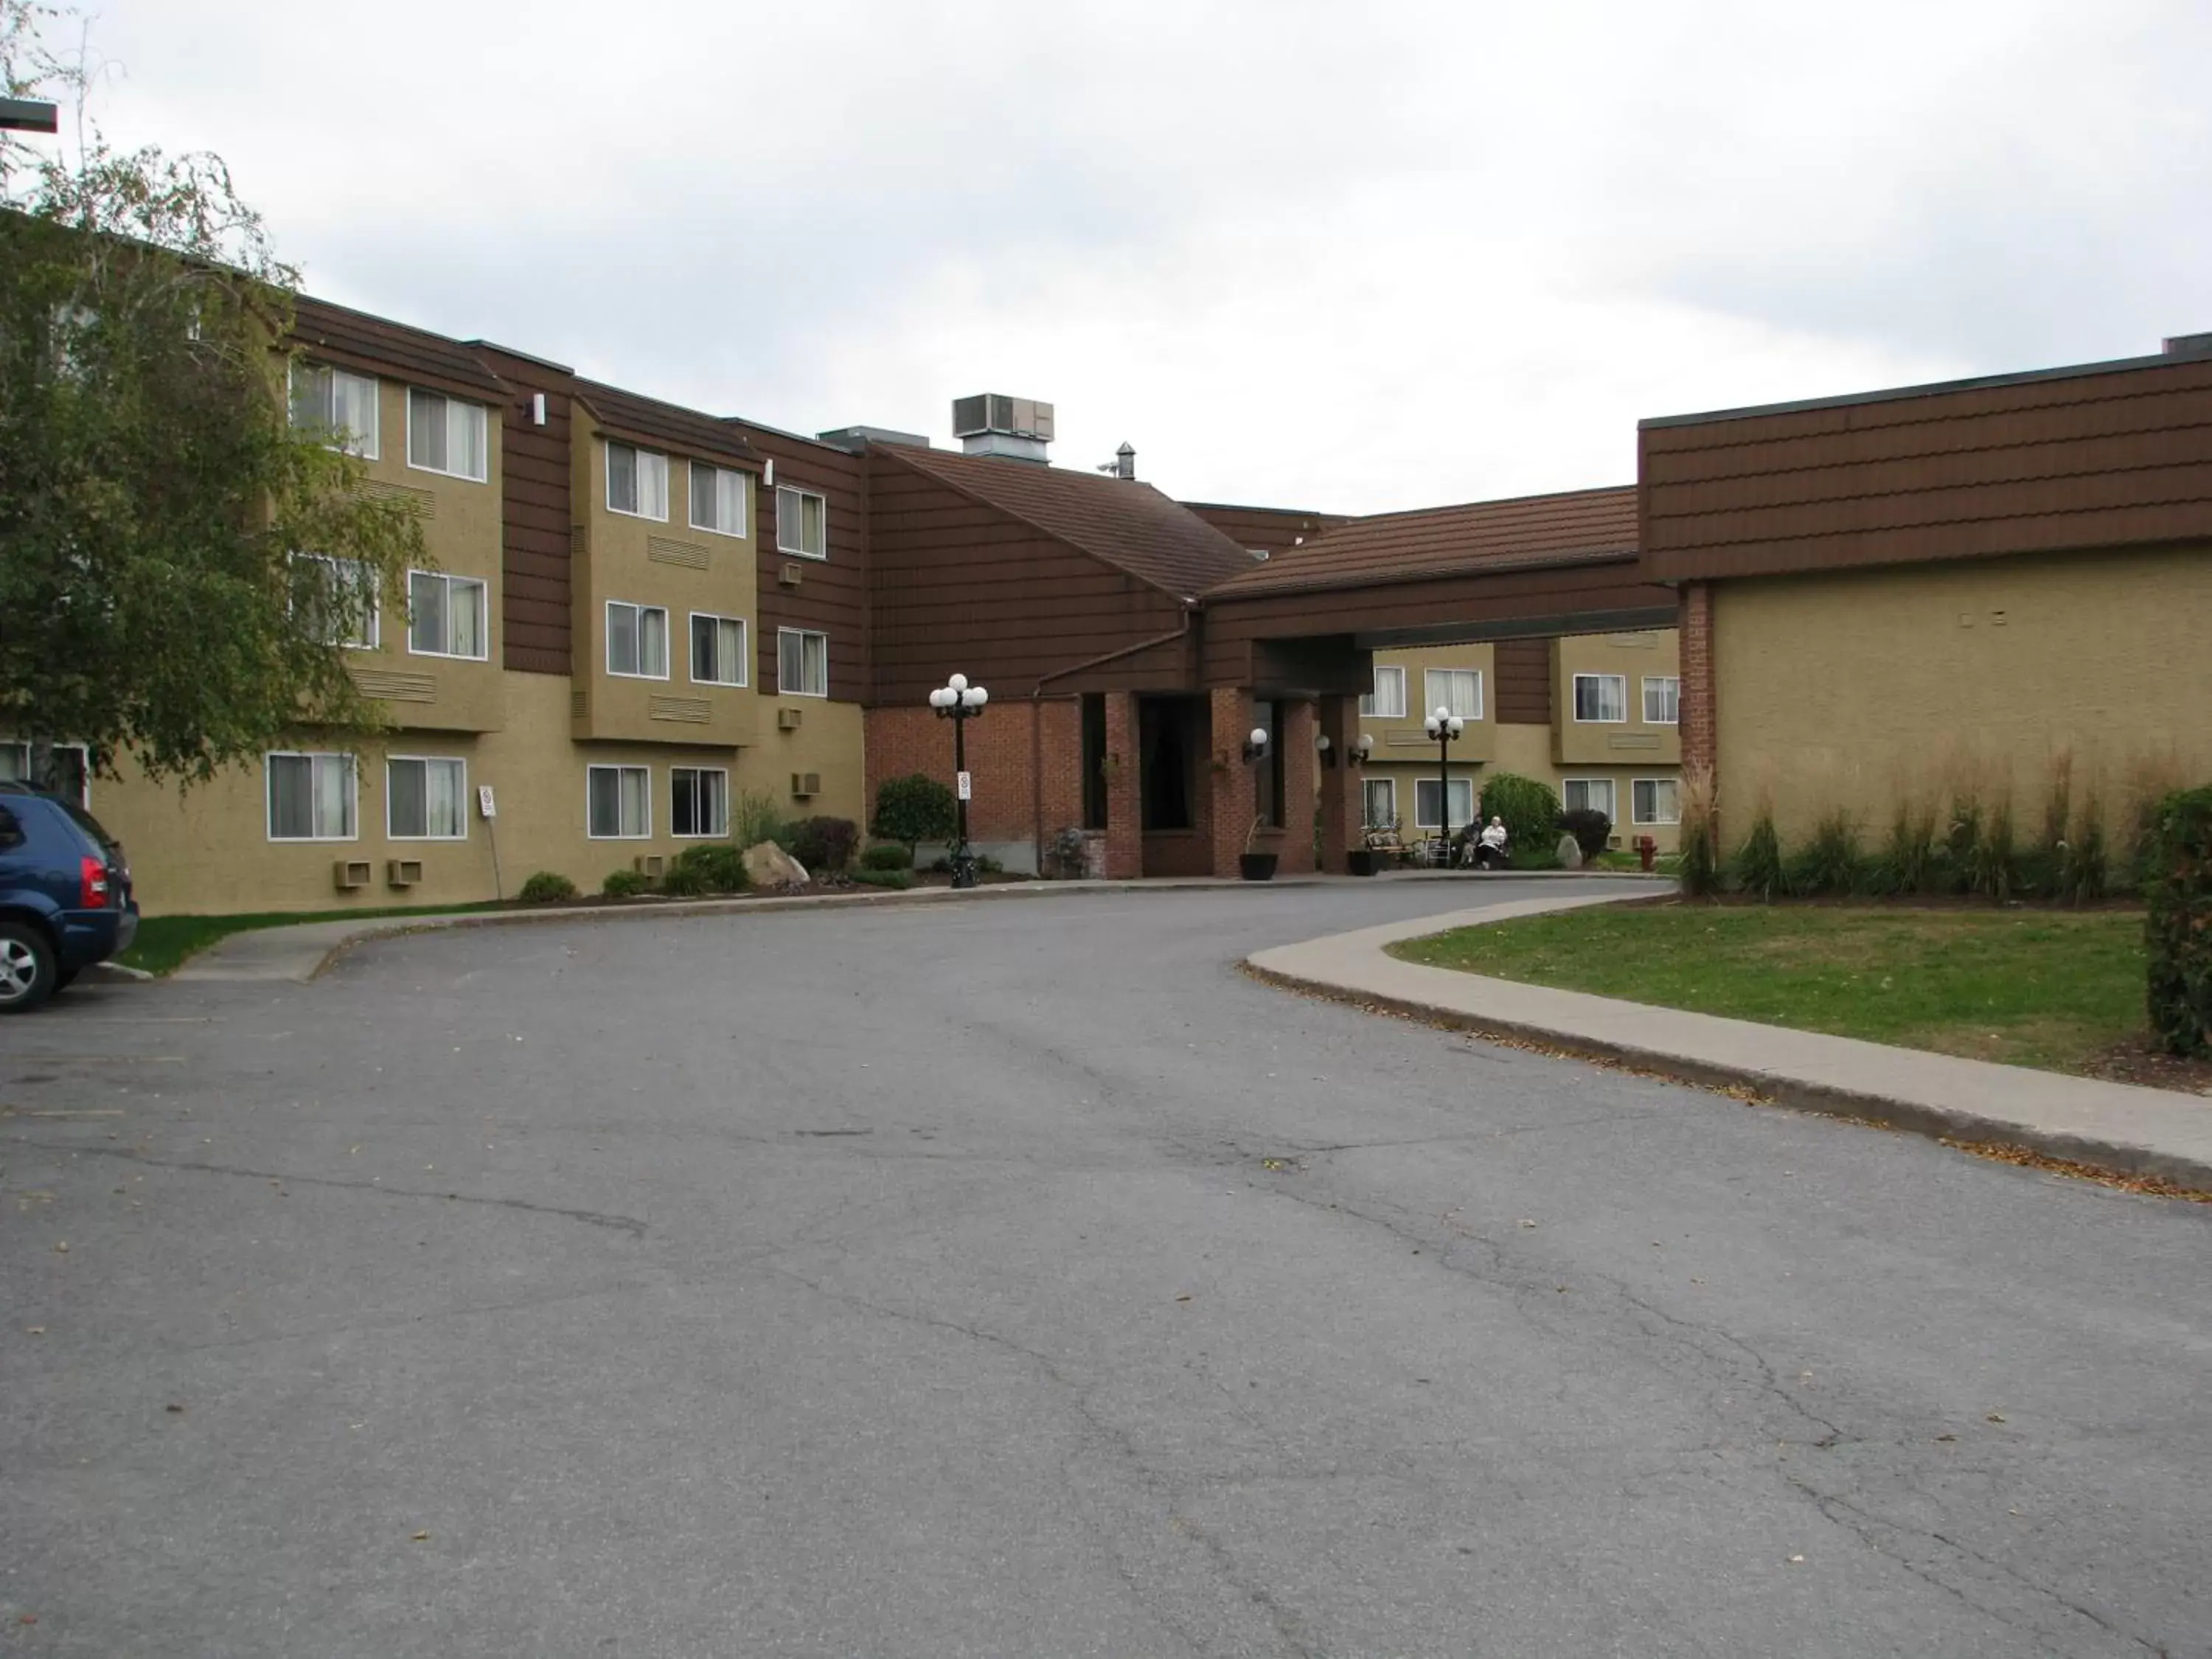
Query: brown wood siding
x=832, y=594
x=1524, y=668
x=959, y=587
x=534, y=588
x=2099, y=458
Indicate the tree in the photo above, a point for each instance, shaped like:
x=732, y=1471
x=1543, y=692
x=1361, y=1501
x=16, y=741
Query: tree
x=153, y=491
x=913, y=809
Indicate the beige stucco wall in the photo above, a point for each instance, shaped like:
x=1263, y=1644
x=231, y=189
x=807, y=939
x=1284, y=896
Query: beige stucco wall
x=1581, y=744
x=636, y=561
x=1527, y=750
x=1404, y=738
x=1853, y=688
x=828, y=742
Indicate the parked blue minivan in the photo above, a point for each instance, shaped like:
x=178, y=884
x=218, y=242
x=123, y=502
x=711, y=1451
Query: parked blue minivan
x=64, y=894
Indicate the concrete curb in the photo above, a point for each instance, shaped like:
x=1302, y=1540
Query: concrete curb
x=2158, y=1133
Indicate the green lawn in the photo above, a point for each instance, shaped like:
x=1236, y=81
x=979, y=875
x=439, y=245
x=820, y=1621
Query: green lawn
x=2027, y=987
x=163, y=942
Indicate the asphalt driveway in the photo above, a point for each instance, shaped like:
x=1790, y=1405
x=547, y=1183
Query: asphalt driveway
x=1020, y=1279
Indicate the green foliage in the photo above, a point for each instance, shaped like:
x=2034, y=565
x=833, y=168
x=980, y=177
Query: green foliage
x=824, y=845
x=547, y=888
x=154, y=490
x=1911, y=862
x=685, y=881
x=1590, y=828
x=1699, y=836
x=712, y=866
x=754, y=817
x=1757, y=868
x=2178, y=929
x=2084, y=864
x=1959, y=844
x=898, y=879
x=1531, y=812
x=1830, y=862
x=1993, y=862
x=2043, y=866
x=624, y=884
x=985, y=865
x=886, y=855
x=914, y=808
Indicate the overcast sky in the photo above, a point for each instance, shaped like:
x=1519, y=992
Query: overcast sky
x=1349, y=257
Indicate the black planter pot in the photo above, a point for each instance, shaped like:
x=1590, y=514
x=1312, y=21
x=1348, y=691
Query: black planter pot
x=1257, y=866
x=1361, y=863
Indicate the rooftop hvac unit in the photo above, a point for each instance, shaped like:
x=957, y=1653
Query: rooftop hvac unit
x=1020, y=418
x=786, y=719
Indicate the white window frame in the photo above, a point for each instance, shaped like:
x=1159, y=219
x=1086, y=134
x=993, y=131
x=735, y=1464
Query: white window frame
x=1675, y=784
x=782, y=688
x=1460, y=820
x=426, y=762
x=362, y=573
x=371, y=441
x=451, y=582
x=721, y=771
x=783, y=546
x=589, y=833
x=269, y=793
x=744, y=647
x=639, y=672
x=1669, y=686
x=717, y=474
x=1433, y=699
x=21, y=747
x=481, y=410
x=1389, y=787
x=1612, y=788
x=638, y=453
x=1575, y=700
x=1371, y=705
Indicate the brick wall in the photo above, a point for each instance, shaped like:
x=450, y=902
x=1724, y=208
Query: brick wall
x=1343, y=809
x=1125, y=825
x=1698, y=711
x=1004, y=759
x=1234, y=793
x=1300, y=763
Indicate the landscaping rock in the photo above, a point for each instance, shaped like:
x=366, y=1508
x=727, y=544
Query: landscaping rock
x=1570, y=853
x=768, y=865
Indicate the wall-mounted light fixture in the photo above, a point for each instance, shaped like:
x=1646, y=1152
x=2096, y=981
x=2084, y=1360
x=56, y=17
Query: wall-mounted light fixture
x=1362, y=747
x=1327, y=749
x=1256, y=744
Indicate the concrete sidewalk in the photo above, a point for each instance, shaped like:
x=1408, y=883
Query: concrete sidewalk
x=2112, y=1125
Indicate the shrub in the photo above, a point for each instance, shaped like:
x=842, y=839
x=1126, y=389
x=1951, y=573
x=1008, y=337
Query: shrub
x=886, y=855
x=985, y=865
x=1531, y=812
x=624, y=884
x=1911, y=863
x=1699, y=835
x=1758, y=869
x=754, y=817
x=2083, y=865
x=1830, y=862
x=1590, y=828
x=2178, y=929
x=899, y=879
x=546, y=888
x=914, y=808
x=718, y=866
x=2151, y=779
x=686, y=881
x=1959, y=842
x=1993, y=861
x=825, y=846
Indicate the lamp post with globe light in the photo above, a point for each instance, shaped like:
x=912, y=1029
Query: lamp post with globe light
x=1443, y=727
x=958, y=702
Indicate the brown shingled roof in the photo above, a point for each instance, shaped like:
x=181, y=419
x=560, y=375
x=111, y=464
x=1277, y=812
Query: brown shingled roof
x=354, y=339
x=1129, y=526
x=1533, y=531
x=666, y=426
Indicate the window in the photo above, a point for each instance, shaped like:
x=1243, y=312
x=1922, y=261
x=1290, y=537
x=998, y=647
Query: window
x=1386, y=701
x=1094, y=761
x=717, y=500
x=444, y=616
x=1424, y=802
x=698, y=802
x=1589, y=794
x=1382, y=803
x=339, y=405
x=637, y=482
x=445, y=434
x=1663, y=701
x=1455, y=691
x=312, y=797
x=70, y=769
x=637, y=640
x=1601, y=696
x=802, y=663
x=338, y=599
x=801, y=523
x=426, y=799
x=618, y=802
x=718, y=650
x=1657, y=801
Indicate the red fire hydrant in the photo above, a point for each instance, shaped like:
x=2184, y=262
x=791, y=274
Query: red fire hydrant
x=1647, y=850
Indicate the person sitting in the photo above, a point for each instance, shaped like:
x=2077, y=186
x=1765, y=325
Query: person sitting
x=1490, y=851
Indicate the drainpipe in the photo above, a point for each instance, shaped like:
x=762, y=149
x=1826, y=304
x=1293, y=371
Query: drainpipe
x=1037, y=721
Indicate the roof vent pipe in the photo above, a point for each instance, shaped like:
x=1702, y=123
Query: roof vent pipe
x=1125, y=462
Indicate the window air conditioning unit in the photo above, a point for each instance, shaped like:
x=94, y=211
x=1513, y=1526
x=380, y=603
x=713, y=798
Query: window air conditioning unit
x=402, y=873
x=790, y=573
x=803, y=784
x=650, y=864
x=349, y=873
x=786, y=719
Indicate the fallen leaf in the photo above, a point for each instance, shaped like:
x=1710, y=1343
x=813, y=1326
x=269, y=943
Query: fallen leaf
x=1945, y=1439
x=1997, y=1417
x=1797, y=1560
x=1182, y=1298
x=61, y=1246
x=173, y=1406
x=420, y=1537
x=1526, y=1222
x=38, y=1330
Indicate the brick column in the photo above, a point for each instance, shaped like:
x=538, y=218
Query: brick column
x=1699, y=702
x=1125, y=797
x=1230, y=792
x=1300, y=765
x=1343, y=809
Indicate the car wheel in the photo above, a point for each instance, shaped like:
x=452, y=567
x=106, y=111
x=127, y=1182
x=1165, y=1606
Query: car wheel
x=27, y=967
